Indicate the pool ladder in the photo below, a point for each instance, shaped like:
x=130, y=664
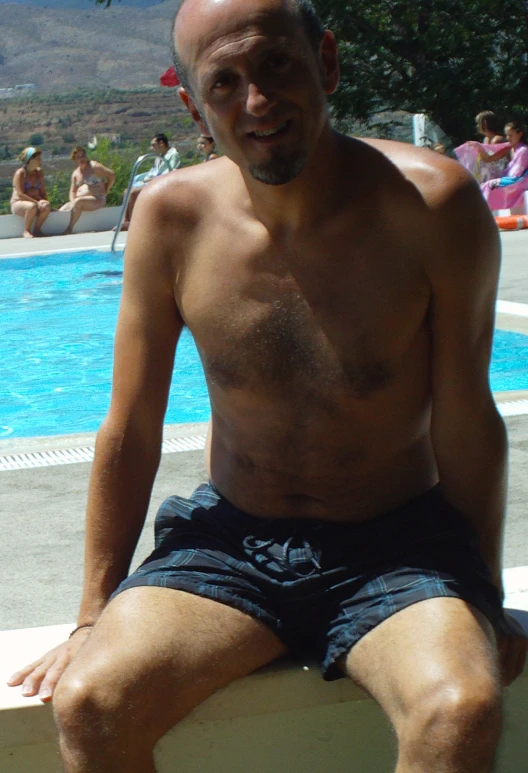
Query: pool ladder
x=126, y=197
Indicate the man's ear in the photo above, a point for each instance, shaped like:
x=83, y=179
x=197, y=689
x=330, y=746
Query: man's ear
x=329, y=62
x=193, y=110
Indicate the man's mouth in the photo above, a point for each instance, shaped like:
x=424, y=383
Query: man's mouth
x=270, y=133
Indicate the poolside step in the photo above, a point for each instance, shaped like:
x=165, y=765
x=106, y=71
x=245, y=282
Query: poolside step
x=282, y=719
x=12, y=226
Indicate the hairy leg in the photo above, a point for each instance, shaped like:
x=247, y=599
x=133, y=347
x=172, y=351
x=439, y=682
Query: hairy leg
x=433, y=669
x=153, y=656
x=28, y=211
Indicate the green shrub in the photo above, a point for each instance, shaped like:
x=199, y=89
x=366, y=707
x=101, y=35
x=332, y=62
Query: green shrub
x=37, y=139
x=58, y=189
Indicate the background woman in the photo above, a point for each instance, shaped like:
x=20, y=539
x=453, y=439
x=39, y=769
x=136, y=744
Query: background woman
x=90, y=183
x=29, y=199
x=489, y=125
x=206, y=146
x=499, y=192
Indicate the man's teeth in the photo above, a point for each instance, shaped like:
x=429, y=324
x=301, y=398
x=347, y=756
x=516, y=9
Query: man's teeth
x=269, y=132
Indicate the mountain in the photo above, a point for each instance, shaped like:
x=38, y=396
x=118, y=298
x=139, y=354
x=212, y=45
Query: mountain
x=63, y=45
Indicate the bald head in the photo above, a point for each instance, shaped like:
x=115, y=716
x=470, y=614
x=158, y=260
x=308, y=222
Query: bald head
x=301, y=10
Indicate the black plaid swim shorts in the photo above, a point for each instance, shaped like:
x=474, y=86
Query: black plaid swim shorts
x=319, y=585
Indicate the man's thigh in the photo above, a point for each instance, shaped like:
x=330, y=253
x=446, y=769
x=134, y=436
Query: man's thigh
x=160, y=652
x=434, y=644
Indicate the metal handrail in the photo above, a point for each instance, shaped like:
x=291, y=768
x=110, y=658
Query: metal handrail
x=127, y=195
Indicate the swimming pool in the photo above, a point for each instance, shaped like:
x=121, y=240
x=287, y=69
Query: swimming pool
x=58, y=318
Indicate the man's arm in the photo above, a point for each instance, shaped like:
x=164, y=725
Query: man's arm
x=129, y=442
x=468, y=434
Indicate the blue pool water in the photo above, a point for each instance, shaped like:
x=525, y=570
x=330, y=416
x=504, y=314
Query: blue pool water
x=58, y=315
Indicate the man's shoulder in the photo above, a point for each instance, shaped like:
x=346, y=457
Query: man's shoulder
x=192, y=190
x=436, y=177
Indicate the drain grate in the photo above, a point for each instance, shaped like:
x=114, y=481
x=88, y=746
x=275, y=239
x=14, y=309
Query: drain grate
x=513, y=408
x=76, y=455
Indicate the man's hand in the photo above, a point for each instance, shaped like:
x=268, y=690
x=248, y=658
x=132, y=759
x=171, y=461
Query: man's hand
x=43, y=675
x=512, y=643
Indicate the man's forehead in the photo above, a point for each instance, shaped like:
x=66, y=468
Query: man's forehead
x=202, y=25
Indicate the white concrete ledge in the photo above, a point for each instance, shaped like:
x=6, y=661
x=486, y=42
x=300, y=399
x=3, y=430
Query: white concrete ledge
x=12, y=226
x=282, y=719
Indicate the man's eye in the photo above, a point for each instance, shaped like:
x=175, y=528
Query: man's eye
x=277, y=61
x=223, y=82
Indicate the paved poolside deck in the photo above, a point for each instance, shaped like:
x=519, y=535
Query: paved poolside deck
x=42, y=509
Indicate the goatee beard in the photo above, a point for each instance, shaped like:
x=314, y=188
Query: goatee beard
x=281, y=169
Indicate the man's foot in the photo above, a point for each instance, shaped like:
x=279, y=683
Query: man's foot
x=28, y=235
x=67, y=232
x=38, y=233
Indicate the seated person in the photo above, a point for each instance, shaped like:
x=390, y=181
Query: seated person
x=489, y=126
x=90, y=183
x=169, y=159
x=29, y=199
x=207, y=147
x=499, y=192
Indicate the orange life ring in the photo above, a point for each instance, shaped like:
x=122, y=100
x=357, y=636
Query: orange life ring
x=512, y=222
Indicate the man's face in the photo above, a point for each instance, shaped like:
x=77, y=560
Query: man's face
x=257, y=83
x=157, y=147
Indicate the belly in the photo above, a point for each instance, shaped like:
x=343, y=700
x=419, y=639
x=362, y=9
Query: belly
x=333, y=457
x=348, y=482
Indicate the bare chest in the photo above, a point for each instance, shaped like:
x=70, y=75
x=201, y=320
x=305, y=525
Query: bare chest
x=325, y=326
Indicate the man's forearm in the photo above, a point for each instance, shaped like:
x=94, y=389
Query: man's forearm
x=120, y=486
x=474, y=479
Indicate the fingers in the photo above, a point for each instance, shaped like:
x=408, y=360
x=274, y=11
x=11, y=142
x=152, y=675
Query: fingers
x=51, y=677
x=32, y=682
x=19, y=676
x=41, y=677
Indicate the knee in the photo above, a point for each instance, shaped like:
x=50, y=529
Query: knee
x=85, y=712
x=44, y=206
x=458, y=718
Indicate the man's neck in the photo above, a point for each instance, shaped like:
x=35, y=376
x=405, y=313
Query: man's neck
x=290, y=207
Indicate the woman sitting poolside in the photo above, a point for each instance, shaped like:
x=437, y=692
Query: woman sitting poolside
x=498, y=192
x=29, y=199
x=90, y=184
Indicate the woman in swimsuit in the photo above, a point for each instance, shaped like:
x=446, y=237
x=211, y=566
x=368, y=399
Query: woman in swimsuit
x=29, y=199
x=90, y=183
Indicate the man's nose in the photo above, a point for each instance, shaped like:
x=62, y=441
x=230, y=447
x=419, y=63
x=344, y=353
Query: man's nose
x=259, y=100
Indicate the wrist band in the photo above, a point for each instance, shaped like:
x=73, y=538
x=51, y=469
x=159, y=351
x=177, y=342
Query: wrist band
x=85, y=625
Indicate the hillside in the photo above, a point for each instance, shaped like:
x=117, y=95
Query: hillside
x=73, y=118
x=62, y=49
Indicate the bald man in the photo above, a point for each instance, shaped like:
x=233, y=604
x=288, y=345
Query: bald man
x=356, y=458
